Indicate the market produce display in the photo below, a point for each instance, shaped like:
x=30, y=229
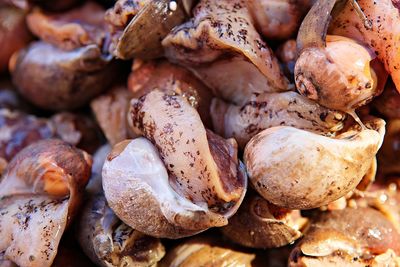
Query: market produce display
x=199, y=133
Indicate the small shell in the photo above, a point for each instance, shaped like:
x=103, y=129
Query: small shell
x=296, y=169
x=339, y=76
x=278, y=20
x=111, y=111
x=259, y=224
x=380, y=30
x=142, y=36
x=51, y=167
x=72, y=29
x=14, y=34
x=335, y=71
x=207, y=251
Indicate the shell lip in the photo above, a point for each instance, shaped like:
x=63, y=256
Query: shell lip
x=181, y=215
x=243, y=173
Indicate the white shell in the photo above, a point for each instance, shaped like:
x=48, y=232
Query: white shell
x=297, y=169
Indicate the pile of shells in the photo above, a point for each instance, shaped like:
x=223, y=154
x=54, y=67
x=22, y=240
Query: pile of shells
x=187, y=133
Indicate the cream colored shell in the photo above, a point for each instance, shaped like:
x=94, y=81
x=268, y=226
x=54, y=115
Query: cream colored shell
x=297, y=169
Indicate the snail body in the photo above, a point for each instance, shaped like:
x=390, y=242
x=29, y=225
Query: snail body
x=181, y=177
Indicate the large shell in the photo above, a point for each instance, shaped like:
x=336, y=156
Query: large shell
x=297, y=169
x=188, y=181
x=136, y=186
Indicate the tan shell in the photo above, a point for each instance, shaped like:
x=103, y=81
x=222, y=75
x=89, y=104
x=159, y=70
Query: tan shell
x=180, y=179
x=296, y=169
x=14, y=34
x=111, y=111
x=85, y=73
x=259, y=224
x=339, y=76
x=278, y=19
x=336, y=71
x=110, y=242
x=207, y=251
x=349, y=237
x=204, y=166
x=72, y=29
